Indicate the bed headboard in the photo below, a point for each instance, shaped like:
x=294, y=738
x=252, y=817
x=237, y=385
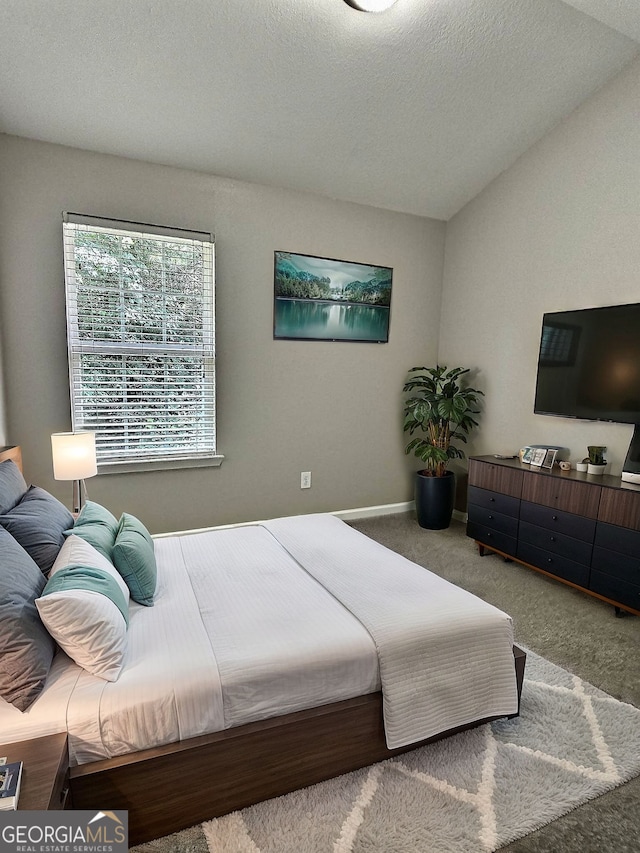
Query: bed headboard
x=12, y=452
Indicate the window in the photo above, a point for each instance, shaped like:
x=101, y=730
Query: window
x=140, y=331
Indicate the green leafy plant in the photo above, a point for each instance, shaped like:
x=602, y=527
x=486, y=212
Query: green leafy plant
x=444, y=410
x=596, y=454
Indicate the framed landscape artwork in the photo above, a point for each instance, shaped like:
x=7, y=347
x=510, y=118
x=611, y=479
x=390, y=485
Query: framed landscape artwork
x=323, y=299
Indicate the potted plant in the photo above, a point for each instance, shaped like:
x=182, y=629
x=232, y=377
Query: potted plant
x=596, y=462
x=443, y=409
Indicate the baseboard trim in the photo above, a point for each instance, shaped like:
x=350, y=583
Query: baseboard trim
x=460, y=516
x=372, y=511
x=358, y=512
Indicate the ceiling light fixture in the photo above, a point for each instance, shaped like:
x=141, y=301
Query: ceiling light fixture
x=370, y=5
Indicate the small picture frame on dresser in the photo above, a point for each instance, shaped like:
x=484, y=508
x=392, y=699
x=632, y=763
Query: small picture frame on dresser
x=527, y=452
x=538, y=457
x=549, y=459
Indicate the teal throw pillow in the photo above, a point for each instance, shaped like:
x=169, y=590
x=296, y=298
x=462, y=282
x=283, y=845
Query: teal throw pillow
x=97, y=526
x=133, y=556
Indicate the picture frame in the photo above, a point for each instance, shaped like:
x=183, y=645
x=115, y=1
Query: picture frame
x=538, y=456
x=326, y=299
x=527, y=453
x=549, y=458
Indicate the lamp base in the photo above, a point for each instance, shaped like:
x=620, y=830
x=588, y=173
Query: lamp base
x=79, y=496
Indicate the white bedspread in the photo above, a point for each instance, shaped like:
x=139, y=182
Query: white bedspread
x=445, y=655
x=282, y=643
x=239, y=632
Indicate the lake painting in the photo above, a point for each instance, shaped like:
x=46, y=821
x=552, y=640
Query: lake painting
x=323, y=299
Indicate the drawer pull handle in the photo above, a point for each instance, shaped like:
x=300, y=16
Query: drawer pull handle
x=549, y=559
x=492, y=500
x=491, y=517
x=552, y=538
x=554, y=517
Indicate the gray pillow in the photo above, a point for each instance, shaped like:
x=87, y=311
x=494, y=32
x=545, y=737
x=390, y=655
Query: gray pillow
x=12, y=485
x=38, y=523
x=26, y=648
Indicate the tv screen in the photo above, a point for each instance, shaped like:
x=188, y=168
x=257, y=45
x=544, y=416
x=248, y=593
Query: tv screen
x=589, y=364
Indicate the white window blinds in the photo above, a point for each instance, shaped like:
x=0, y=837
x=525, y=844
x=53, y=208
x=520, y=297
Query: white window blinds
x=141, y=339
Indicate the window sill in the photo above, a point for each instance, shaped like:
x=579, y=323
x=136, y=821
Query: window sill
x=131, y=467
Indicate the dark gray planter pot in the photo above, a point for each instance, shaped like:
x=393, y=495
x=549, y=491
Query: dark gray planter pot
x=434, y=500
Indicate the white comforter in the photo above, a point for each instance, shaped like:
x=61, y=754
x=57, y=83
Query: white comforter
x=240, y=631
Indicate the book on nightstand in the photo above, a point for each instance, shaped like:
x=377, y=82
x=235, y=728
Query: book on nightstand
x=10, y=778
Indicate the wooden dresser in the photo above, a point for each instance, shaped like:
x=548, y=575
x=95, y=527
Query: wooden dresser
x=580, y=529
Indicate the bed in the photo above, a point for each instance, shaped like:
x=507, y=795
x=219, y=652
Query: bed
x=274, y=656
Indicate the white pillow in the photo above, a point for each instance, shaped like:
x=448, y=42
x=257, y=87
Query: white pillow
x=83, y=607
x=77, y=550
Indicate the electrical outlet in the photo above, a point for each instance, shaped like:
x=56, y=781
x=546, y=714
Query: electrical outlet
x=305, y=479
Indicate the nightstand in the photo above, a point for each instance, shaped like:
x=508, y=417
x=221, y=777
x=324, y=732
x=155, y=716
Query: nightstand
x=45, y=771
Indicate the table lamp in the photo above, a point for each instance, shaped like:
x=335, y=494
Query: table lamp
x=74, y=458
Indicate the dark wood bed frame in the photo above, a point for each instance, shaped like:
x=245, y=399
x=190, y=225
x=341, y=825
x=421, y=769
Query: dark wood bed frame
x=172, y=787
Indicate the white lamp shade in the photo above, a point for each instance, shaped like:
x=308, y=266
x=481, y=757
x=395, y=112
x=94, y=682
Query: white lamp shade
x=74, y=455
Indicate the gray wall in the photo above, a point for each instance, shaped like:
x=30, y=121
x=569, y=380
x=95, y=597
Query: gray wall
x=559, y=230
x=283, y=406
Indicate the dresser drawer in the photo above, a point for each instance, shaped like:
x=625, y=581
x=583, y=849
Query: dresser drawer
x=493, y=520
x=559, y=521
x=567, y=495
x=615, y=589
x=553, y=563
x=492, y=538
x=621, y=507
x=494, y=501
x=557, y=543
x=496, y=477
x=618, y=539
x=613, y=563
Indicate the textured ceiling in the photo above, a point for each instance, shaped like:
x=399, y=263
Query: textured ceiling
x=415, y=109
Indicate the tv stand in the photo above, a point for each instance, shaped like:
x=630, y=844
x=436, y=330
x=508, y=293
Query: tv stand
x=631, y=467
x=580, y=529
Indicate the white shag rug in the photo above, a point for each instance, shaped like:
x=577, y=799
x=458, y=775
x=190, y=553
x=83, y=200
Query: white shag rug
x=471, y=793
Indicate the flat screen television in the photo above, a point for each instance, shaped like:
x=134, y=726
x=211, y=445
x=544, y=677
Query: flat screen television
x=589, y=367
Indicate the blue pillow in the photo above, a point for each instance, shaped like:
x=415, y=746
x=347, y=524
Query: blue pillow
x=26, y=648
x=38, y=523
x=12, y=485
x=134, y=557
x=97, y=526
